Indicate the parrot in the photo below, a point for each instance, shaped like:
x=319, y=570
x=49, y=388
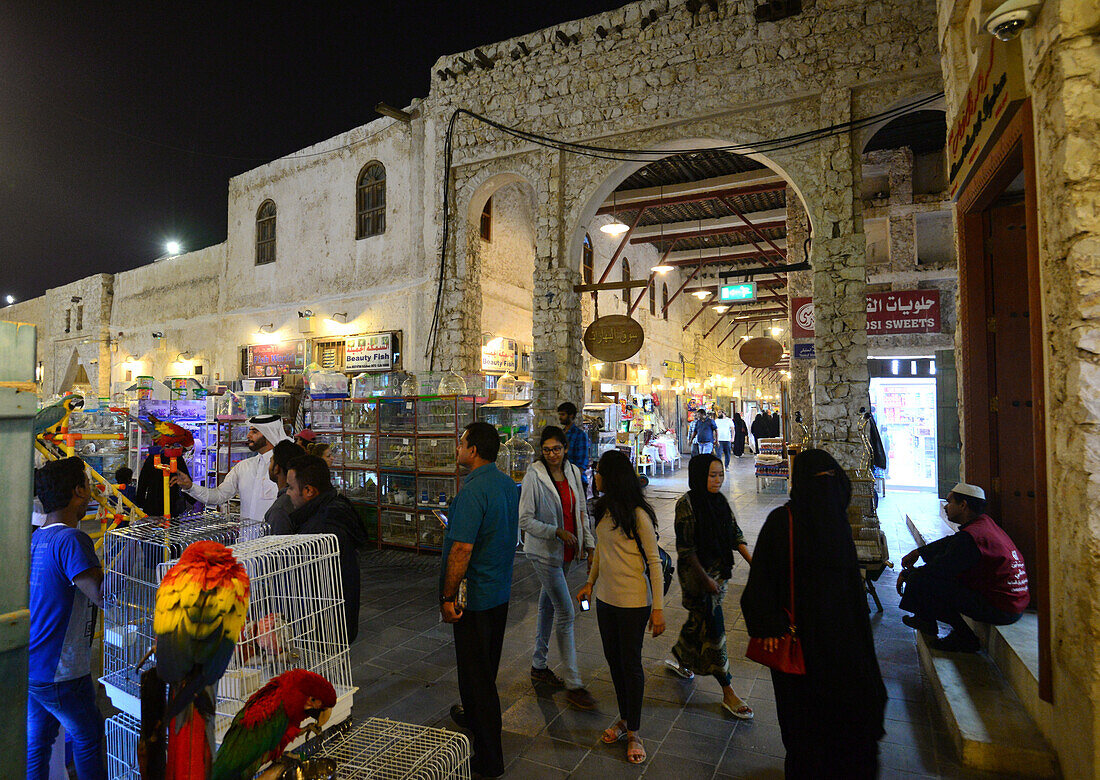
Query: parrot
x=50, y=419
x=167, y=434
x=201, y=607
x=270, y=720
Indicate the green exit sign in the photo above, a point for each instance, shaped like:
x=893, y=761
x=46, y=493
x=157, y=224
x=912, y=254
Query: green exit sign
x=738, y=292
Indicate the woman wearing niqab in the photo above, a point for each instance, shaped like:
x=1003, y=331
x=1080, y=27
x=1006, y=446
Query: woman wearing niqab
x=831, y=717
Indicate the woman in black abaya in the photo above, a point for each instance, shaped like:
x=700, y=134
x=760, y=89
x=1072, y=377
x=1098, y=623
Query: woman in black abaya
x=740, y=433
x=831, y=717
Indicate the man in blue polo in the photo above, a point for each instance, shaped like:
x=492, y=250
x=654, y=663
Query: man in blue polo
x=480, y=546
x=577, y=438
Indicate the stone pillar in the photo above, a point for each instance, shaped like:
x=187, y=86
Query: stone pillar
x=458, y=343
x=839, y=259
x=903, y=223
x=799, y=285
x=556, y=363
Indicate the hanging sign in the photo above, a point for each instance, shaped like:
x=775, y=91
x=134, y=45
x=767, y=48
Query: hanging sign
x=888, y=314
x=803, y=351
x=760, y=352
x=737, y=293
x=499, y=359
x=613, y=338
x=369, y=353
x=276, y=359
x=997, y=84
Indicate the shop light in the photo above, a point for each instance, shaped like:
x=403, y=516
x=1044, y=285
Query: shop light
x=894, y=367
x=597, y=366
x=614, y=228
x=720, y=309
x=701, y=294
x=663, y=269
x=913, y=367
x=776, y=330
x=173, y=248
x=495, y=343
x=266, y=329
x=9, y=299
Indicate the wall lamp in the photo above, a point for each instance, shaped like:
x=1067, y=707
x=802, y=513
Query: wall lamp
x=183, y=356
x=268, y=328
x=339, y=317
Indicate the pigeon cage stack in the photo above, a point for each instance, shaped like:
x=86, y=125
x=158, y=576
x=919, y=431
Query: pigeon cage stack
x=870, y=541
x=381, y=749
x=132, y=558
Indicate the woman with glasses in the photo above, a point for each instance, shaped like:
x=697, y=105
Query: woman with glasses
x=554, y=520
x=628, y=583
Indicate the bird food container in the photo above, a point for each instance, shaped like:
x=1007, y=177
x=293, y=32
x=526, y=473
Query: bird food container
x=435, y=492
x=122, y=636
x=240, y=683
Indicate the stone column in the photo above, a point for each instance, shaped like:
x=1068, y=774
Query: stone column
x=799, y=285
x=903, y=223
x=458, y=344
x=556, y=364
x=839, y=259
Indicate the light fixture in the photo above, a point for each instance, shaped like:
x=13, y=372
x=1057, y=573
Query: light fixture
x=268, y=328
x=339, y=317
x=614, y=227
x=776, y=330
x=157, y=334
x=306, y=313
x=701, y=294
x=720, y=308
x=305, y=321
x=597, y=366
x=182, y=356
x=172, y=247
x=495, y=343
x=663, y=269
x=10, y=299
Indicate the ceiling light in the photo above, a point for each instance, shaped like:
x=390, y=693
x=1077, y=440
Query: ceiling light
x=776, y=330
x=701, y=294
x=614, y=228
x=720, y=309
x=662, y=269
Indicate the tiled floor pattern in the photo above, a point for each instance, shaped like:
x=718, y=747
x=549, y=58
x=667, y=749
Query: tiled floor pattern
x=403, y=663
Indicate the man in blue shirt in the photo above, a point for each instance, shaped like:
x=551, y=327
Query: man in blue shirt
x=577, y=439
x=479, y=546
x=705, y=432
x=66, y=584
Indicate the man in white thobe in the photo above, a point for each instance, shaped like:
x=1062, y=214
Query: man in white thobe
x=249, y=478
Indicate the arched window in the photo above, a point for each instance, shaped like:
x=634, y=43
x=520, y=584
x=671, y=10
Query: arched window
x=265, y=233
x=626, y=278
x=587, y=263
x=664, y=299
x=370, y=201
x=652, y=298
x=487, y=220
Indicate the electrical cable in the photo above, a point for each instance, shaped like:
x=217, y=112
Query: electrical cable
x=630, y=155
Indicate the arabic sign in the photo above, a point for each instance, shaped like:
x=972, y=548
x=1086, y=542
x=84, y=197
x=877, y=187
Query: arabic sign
x=997, y=83
x=499, y=359
x=369, y=353
x=737, y=293
x=276, y=359
x=803, y=351
x=677, y=370
x=760, y=352
x=613, y=338
x=888, y=314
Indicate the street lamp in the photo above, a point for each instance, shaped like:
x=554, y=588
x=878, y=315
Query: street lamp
x=173, y=247
x=9, y=299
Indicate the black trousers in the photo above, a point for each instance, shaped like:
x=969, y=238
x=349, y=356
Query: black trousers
x=479, y=636
x=622, y=630
x=930, y=597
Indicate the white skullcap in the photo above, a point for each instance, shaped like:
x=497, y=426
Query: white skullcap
x=964, y=489
x=271, y=426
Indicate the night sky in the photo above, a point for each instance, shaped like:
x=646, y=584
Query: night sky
x=121, y=123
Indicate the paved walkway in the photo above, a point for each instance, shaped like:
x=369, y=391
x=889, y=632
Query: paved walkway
x=403, y=663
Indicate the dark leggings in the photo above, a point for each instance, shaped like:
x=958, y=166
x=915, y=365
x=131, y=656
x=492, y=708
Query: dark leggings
x=622, y=630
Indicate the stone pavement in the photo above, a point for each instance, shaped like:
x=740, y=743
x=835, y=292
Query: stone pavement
x=403, y=663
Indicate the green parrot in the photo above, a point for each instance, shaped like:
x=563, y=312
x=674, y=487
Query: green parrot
x=49, y=419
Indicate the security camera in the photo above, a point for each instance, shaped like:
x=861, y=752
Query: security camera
x=1010, y=18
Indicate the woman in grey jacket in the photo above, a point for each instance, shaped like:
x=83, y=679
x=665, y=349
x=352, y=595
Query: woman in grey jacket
x=557, y=532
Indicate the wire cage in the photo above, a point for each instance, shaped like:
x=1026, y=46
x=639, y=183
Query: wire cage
x=123, y=731
x=382, y=749
x=131, y=558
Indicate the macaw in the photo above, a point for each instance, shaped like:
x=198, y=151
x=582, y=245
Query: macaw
x=201, y=606
x=167, y=434
x=270, y=720
x=49, y=419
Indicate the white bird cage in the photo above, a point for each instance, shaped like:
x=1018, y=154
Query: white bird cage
x=382, y=749
x=131, y=557
x=123, y=732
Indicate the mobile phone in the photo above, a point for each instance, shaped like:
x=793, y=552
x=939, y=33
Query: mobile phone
x=442, y=518
x=584, y=605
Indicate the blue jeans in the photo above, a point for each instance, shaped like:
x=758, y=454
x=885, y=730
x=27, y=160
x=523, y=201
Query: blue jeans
x=727, y=448
x=70, y=704
x=706, y=447
x=555, y=612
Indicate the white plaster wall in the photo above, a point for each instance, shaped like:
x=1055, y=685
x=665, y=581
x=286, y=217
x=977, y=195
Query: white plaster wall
x=508, y=265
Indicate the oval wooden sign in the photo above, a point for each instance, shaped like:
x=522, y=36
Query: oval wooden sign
x=613, y=338
x=760, y=352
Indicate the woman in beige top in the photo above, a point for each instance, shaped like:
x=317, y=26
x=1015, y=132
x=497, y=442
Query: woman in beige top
x=628, y=588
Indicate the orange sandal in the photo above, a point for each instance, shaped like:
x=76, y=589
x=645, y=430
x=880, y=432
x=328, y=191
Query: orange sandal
x=635, y=753
x=614, y=733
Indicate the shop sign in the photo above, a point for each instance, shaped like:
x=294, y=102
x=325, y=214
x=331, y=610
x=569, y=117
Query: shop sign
x=803, y=351
x=674, y=369
x=613, y=338
x=373, y=352
x=888, y=314
x=996, y=85
x=500, y=359
x=737, y=293
x=266, y=360
x=760, y=352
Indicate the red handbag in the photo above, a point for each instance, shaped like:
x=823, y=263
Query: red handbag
x=787, y=656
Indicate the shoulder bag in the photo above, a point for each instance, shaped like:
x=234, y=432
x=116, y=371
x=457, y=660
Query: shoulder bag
x=667, y=567
x=787, y=656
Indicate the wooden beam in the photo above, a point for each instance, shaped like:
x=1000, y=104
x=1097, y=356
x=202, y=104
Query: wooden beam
x=732, y=330
x=724, y=230
x=653, y=291
x=724, y=182
x=631, y=285
x=741, y=216
x=695, y=197
x=622, y=245
x=681, y=289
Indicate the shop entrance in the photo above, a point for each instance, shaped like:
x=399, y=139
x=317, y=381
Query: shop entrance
x=905, y=410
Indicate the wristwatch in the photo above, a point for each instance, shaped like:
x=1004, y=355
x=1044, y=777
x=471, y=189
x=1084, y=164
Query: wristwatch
x=444, y=599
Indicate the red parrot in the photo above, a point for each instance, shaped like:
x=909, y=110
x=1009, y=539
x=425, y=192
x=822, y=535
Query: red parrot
x=270, y=720
x=201, y=607
x=167, y=434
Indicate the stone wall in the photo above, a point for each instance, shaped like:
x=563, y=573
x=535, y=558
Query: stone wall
x=1062, y=77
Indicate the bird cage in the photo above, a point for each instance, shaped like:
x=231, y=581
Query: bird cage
x=295, y=620
x=131, y=557
x=123, y=731
x=382, y=749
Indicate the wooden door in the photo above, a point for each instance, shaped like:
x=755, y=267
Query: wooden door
x=1012, y=434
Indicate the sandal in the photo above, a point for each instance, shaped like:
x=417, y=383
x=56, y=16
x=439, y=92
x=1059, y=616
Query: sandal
x=635, y=753
x=614, y=733
x=742, y=712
